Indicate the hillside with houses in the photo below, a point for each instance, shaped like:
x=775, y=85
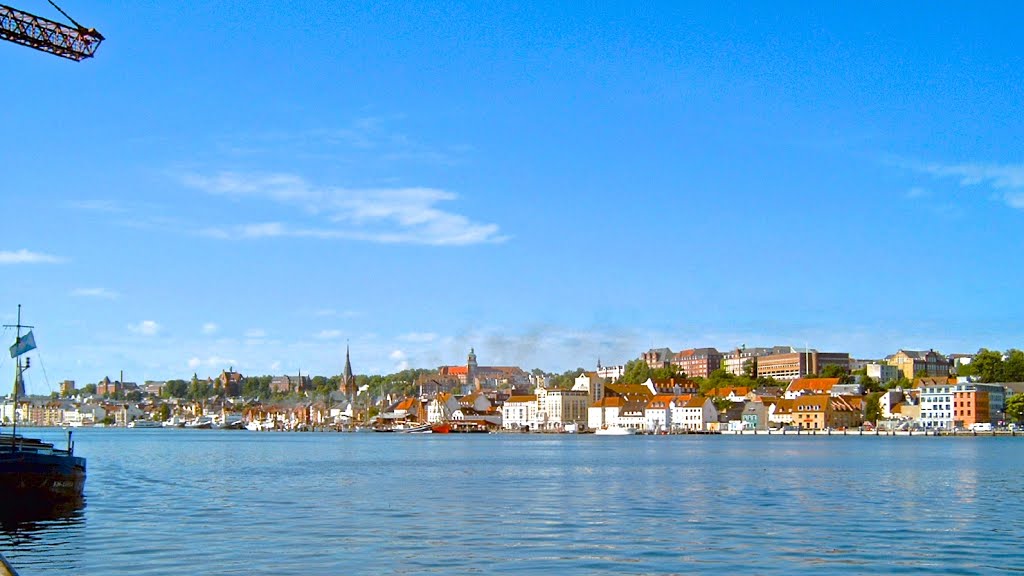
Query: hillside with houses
x=697, y=390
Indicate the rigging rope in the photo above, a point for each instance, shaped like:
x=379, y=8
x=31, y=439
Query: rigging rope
x=77, y=25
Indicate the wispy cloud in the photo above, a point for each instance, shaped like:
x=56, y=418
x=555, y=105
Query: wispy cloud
x=400, y=359
x=96, y=293
x=1007, y=179
x=27, y=257
x=105, y=206
x=418, y=337
x=254, y=333
x=917, y=192
x=210, y=361
x=371, y=139
x=210, y=328
x=328, y=334
x=382, y=215
x=146, y=328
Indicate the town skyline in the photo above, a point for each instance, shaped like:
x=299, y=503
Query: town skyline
x=548, y=184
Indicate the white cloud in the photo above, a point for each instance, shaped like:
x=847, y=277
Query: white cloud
x=401, y=361
x=254, y=333
x=95, y=293
x=27, y=257
x=146, y=328
x=1007, y=178
x=383, y=215
x=275, y=366
x=418, y=337
x=328, y=334
x=107, y=206
x=916, y=192
x=218, y=362
x=210, y=328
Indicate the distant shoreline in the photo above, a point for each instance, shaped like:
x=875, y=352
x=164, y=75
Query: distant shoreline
x=811, y=433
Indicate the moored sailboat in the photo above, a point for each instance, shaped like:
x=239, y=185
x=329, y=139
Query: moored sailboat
x=34, y=474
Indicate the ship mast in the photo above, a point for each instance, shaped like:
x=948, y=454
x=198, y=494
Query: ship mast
x=16, y=351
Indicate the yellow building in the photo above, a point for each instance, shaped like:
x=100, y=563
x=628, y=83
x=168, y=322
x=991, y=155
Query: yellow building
x=914, y=362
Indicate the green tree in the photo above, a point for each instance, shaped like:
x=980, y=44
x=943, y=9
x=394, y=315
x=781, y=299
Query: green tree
x=901, y=382
x=833, y=371
x=722, y=404
x=1013, y=366
x=636, y=372
x=88, y=389
x=174, y=389
x=719, y=378
x=162, y=412
x=873, y=408
x=988, y=365
x=965, y=370
x=1015, y=407
x=565, y=380
x=199, y=389
x=256, y=386
x=666, y=373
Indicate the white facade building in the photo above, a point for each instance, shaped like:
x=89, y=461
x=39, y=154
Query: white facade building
x=611, y=373
x=694, y=415
x=519, y=412
x=883, y=372
x=937, y=406
x=592, y=384
x=556, y=408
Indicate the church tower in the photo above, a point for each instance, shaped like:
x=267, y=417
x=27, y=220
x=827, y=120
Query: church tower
x=472, y=381
x=348, y=381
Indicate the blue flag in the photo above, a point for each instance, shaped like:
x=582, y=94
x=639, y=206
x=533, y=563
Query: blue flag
x=24, y=344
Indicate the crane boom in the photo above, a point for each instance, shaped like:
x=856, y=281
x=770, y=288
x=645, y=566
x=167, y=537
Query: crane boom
x=74, y=43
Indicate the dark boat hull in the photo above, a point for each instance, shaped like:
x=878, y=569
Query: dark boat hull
x=32, y=479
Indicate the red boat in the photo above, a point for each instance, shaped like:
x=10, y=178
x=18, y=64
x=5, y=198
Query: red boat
x=442, y=428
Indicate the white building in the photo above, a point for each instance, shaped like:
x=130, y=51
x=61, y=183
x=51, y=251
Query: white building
x=84, y=415
x=590, y=383
x=556, y=408
x=441, y=408
x=693, y=415
x=519, y=412
x=611, y=373
x=883, y=372
x=937, y=406
x=658, y=414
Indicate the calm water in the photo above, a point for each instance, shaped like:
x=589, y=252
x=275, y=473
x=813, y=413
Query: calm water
x=216, y=502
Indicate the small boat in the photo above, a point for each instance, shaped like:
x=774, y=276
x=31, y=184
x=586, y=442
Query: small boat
x=144, y=423
x=202, y=422
x=441, y=428
x=415, y=429
x=614, y=430
x=174, y=422
x=34, y=474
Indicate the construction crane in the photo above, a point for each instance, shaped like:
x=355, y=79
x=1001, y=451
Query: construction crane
x=72, y=42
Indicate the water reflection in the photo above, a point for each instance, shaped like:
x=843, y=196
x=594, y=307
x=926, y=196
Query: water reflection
x=19, y=519
x=40, y=536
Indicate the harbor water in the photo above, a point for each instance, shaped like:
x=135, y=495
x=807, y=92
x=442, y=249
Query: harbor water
x=220, y=502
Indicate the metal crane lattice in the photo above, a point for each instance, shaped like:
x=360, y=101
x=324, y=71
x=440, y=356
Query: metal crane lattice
x=73, y=42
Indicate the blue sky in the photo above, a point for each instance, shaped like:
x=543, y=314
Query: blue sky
x=251, y=185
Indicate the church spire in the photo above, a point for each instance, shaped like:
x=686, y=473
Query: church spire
x=348, y=382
